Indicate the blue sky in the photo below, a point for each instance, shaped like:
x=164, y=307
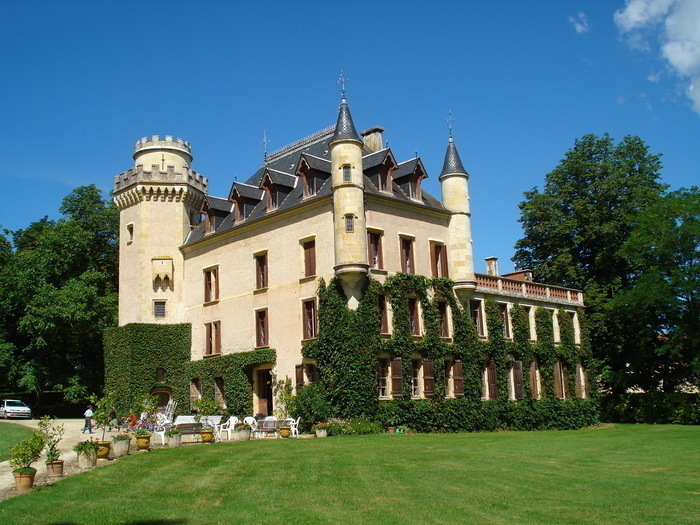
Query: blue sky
x=82, y=81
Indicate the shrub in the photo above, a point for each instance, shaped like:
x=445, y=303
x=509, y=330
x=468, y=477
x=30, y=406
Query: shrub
x=310, y=405
x=26, y=452
x=652, y=407
x=356, y=426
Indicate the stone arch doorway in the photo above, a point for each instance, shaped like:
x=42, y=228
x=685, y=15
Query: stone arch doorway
x=164, y=395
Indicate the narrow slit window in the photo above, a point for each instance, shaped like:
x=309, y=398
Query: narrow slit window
x=349, y=224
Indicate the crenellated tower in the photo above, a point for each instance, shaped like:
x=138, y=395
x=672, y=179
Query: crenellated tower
x=454, y=181
x=350, y=227
x=159, y=201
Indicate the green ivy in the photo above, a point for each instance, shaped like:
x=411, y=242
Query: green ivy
x=134, y=353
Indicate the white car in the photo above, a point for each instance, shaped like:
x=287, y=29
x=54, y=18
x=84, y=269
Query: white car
x=14, y=408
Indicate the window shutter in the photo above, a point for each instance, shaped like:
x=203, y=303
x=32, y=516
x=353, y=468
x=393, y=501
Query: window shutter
x=396, y=382
x=216, y=284
x=458, y=379
x=310, y=258
x=428, y=379
x=534, y=387
x=557, y=380
x=443, y=260
x=564, y=381
x=299, y=369
x=493, y=386
x=434, y=256
x=518, y=380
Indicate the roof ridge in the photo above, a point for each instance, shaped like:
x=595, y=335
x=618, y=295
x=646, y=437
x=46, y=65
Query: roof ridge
x=300, y=143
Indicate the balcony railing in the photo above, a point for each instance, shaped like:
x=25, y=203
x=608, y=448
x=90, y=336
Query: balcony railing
x=514, y=287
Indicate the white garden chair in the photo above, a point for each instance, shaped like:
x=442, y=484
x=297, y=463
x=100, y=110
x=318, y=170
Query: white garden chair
x=294, y=424
x=250, y=420
x=227, y=427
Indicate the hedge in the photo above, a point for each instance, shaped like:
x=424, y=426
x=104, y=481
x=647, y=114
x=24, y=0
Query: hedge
x=652, y=407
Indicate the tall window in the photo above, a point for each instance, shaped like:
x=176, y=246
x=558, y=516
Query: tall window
x=309, y=314
x=384, y=323
x=219, y=392
x=382, y=374
x=346, y=174
x=213, y=338
x=506, y=320
x=311, y=184
x=261, y=271
x=211, y=284
x=491, y=380
x=413, y=316
x=195, y=392
x=438, y=259
x=428, y=379
x=457, y=379
x=272, y=198
x=261, y=328
x=407, y=255
x=443, y=326
x=309, y=258
x=518, y=383
x=534, y=380
x=349, y=224
x=384, y=179
x=396, y=378
x=159, y=309
x=561, y=378
x=415, y=378
x=374, y=246
x=475, y=312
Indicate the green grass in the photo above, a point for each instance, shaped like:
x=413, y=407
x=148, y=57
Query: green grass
x=611, y=474
x=10, y=435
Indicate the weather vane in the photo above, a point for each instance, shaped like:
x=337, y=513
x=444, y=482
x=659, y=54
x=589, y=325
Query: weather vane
x=449, y=121
x=342, y=80
x=264, y=142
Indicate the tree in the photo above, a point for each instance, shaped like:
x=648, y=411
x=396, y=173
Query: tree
x=664, y=250
x=574, y=231
x=57, y=292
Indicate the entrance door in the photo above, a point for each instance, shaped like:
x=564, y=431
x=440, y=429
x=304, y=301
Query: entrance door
x=264, y=392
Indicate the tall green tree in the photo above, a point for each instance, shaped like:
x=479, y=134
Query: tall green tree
x=58, y=290
x=575, y=228
x=664, y=250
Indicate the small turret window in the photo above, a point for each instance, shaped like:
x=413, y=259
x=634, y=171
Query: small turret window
x=346, y=174
x=349, y=224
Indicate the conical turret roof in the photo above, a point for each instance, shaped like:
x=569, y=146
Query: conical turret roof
x=453, y=164
x=345, y=129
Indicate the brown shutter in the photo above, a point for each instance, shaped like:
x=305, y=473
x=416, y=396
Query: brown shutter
x=410, y=256
x=557, y=380
x=458, y=379
x=396, y=382
x=565, y=381
x=384, y=326
x=534, y=387
x=207, y=287
x=299, y=369
x=518, y=379
x=434, y=256
x=443, y=260
x=428, y=379
x=310, y=258
x=492, y=380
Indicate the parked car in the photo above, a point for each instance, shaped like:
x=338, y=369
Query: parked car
x=14, y=408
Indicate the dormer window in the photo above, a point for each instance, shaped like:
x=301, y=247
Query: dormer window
x=272, y=198
x=210, y=222
x=239, y=210
x=310, y=184
x=414, y=190
x=346, y=174
x=383, y=181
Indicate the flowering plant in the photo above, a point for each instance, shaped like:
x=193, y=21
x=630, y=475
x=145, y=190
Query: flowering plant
x=243, y=426
x=85, y=446
x=174, y=431
x=320, y=426
x=121, y=437
x=142, y=432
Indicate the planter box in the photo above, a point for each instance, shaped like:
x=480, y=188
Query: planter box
x=175, y=440
x=121, y=448
x=87, y=459
x=321, y=433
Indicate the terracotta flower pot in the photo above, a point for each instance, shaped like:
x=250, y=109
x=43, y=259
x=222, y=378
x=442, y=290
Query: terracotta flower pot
x=55, y=469
x=24, y=481
x=285, y=432
x=175, y=440
x=120, y=448
x=143, y=442
x=207, y=436
x=391, y=430
x=103, y=448
x=87, y=459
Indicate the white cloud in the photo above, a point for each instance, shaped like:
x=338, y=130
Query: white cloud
x=654, y=77
x=580, y=23
x=675, y=24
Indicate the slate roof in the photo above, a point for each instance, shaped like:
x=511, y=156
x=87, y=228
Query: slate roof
x=453, y=164
x=345, y=128
x=281, y=178
x=283, y=166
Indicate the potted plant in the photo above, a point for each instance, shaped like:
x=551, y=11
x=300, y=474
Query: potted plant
x=22, y=455
x=53, y=434
x=174, y=436
x=321, y=429
x=242, y=432
x=206, y=407
x=87, y=453
x=100, y=415
x=143, y=439
x=120, y=445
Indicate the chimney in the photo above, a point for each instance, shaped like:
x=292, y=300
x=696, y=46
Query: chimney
x=372, y=138
x=492, y=266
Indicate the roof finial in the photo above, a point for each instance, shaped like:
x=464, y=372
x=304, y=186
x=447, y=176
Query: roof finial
x=342, y=80
x=449, y=121
x=264, y=142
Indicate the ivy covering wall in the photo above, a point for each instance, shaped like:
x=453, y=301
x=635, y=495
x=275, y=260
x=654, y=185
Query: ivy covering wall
x=349, y=345
x=134, y=353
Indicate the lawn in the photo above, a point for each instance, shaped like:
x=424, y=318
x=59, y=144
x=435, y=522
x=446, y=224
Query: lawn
x=10, y=435
x=610, y=474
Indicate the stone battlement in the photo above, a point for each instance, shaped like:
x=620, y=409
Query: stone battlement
x=140, y=175
x=156, y=142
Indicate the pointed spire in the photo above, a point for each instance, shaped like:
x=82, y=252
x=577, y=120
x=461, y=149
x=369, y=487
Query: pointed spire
x=345, y=128
x=453, y=164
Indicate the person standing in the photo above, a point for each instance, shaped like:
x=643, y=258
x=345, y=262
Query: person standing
x=88, y=419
